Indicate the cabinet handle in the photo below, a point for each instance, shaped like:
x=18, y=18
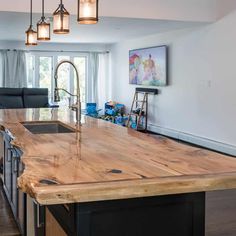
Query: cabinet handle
x=15, y=165
x=9, y=154
x=39, y=224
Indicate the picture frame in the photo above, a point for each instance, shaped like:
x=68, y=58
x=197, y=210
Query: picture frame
x=148, y=66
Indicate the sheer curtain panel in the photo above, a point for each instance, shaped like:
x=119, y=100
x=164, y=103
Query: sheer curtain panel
x=13, y=69
x=98, y=86
x=103, y=88
x=92, y=86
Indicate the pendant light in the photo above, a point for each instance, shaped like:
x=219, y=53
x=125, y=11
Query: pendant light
x=43, y=28
x=61, y=20
x=31, y=35
x=88, y=11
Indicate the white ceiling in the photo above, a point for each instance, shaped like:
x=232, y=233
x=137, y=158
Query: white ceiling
x=108, y=30
x=118, y=19
x=185, y=10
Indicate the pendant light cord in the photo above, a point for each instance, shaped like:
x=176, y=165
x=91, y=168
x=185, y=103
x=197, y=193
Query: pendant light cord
x=31, y=9
x=43, y=9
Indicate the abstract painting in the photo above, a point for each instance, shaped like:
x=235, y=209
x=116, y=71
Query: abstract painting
x=148, y=66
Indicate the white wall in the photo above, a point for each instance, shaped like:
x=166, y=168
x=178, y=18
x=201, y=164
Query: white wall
x=200, y=100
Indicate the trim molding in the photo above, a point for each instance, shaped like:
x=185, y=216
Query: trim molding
x=200, y=141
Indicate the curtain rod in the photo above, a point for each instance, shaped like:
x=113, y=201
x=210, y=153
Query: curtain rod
x=66, y=51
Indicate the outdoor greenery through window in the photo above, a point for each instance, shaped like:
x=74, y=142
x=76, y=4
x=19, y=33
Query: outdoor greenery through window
x=40, y=73
x=45, y=73
x=81, y=64
x=64, y=79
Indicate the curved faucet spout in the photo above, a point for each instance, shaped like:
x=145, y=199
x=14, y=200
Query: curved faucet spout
x=76, y=106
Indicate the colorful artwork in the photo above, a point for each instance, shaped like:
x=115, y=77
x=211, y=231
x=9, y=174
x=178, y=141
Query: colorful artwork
x=148, y=66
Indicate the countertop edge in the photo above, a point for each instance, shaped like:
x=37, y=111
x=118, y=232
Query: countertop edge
x=81, y=193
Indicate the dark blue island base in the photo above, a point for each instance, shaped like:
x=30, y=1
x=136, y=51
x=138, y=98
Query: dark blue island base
x=172, y=215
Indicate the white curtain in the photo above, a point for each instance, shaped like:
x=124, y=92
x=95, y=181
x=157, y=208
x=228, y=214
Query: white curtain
x=98, y=87
x=92, y=86
x=104, y=86
x=13, y=69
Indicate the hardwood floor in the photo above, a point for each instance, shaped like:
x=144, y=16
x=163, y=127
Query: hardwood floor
x=7, y=224
x=220, y=213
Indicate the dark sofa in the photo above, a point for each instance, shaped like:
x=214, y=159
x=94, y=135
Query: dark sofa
x=11, y=98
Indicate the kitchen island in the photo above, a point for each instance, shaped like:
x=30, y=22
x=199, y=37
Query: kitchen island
x=106, y=180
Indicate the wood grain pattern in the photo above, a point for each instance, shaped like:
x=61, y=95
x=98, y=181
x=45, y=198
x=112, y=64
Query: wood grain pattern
x=83, y=170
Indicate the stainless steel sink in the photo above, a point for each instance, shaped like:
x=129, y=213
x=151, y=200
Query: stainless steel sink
x=47, y=127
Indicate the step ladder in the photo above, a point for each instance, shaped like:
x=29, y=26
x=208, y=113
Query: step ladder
x=139, y=109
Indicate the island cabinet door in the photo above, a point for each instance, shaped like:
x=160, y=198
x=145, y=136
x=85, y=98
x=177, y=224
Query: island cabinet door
x=177, y=215
x=1, y=154
x=7, y=170
x=14, y=189
x=21, y=203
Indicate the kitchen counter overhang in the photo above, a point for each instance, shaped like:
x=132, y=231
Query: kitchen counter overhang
x=110, y=162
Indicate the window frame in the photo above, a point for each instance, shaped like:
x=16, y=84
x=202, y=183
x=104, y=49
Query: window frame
x=54, y=56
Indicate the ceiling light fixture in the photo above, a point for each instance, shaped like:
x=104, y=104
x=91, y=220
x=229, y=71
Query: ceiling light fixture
x=31, y=34
x=61, y=20
x=88, y=11
x=43, y=28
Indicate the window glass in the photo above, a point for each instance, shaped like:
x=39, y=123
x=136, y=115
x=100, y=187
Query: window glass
x=45, y=73
x=80, y=63
x=30, y=70
x=40, y=73
x=64, y=79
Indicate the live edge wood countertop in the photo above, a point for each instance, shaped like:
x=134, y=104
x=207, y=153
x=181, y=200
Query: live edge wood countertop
x=84, y=170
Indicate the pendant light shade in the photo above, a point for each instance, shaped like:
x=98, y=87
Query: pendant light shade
x=31, y=37
x=43, y=28
x=61, y=20
x=31, y=34
x=88, y=11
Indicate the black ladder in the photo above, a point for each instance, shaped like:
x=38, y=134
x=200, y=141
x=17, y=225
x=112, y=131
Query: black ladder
x=139, y=109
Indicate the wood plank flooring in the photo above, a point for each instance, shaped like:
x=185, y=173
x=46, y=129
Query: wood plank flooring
x=221, y=213
x=7, y=224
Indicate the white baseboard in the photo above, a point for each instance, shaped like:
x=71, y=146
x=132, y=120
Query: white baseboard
x=204, y=142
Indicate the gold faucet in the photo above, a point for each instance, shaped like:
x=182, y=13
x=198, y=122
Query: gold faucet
x=77, y=105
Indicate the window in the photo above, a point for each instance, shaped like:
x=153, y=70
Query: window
x=45, y=73
x=41, y=67
x=30, y=64
x=64, y=79
x=80, y=63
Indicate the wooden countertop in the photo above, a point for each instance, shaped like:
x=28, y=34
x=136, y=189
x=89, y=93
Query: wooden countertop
x=83, y=170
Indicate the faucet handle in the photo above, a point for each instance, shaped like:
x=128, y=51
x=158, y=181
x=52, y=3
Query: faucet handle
x=56, y=95
x=74, y=107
